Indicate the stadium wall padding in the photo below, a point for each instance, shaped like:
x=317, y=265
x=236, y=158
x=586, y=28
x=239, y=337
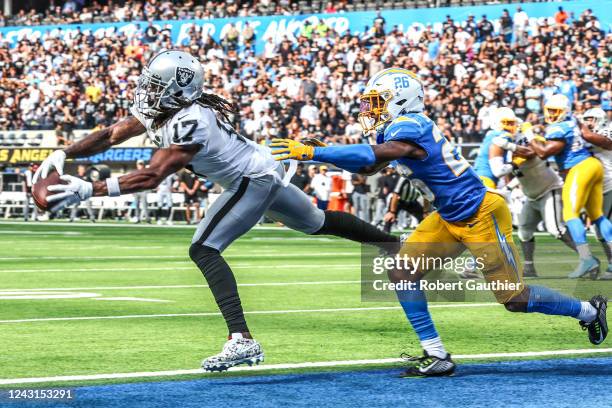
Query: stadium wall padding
x=279, y=26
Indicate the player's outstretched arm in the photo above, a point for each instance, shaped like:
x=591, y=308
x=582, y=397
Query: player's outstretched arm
x=547, y=148
x=101, y=140
x=95, y=142
x=595, y=138
x=163, y=163
x=358, y=158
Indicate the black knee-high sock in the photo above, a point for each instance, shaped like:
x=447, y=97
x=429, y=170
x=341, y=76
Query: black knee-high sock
x=222, y=284
x=566, y=238
x=606, y=248
x=528, y=249
x=348, y=226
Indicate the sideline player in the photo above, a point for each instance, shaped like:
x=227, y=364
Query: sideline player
x=467, y=214
x=596, y=131
x=192, y=129
x=583, y=187
x=541, y=186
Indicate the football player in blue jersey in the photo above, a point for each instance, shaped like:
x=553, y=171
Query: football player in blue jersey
x=467, y=216
x=491, y=163
x=584, y=174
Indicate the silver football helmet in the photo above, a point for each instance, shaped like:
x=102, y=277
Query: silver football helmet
x=173, y=79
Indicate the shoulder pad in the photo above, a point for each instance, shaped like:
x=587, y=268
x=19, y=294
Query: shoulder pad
x=407, y=129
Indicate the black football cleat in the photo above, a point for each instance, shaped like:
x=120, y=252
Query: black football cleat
x=429, y=366
x=598, y=328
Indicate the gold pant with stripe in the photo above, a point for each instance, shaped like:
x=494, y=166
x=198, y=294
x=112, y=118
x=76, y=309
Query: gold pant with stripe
x=583, y=188
x=487, y=235
x=488, y=182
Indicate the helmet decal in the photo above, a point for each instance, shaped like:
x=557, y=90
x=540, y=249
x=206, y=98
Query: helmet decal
x=184, y=76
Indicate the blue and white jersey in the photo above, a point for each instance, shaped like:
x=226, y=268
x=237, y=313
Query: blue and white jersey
x=575, y=150
x=481, y=165
x=456, y=188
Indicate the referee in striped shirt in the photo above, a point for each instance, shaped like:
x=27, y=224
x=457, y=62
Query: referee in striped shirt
x=405, y=197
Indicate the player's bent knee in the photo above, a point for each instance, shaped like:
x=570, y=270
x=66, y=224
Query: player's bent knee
x=525, y=235
x=518, y=303
x=200, y=254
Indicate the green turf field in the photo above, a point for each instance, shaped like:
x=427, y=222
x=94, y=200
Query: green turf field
x=111, y=271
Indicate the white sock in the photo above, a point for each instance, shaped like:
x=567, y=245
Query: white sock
x=434, y=347
x=587, y=312
x=236, y=336
x=583, y=251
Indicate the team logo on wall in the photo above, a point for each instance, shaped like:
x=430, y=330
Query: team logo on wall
x=184, y=76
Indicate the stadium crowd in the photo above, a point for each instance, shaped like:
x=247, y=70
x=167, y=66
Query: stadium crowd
x=309, y=86
x=83, y=11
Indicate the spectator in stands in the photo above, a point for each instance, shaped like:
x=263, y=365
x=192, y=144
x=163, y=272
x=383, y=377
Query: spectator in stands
x=561, y=16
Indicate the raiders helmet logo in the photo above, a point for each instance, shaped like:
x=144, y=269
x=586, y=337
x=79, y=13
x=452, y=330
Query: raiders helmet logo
x=184, y=76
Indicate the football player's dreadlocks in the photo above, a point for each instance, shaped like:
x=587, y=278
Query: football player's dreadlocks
x=220, y=105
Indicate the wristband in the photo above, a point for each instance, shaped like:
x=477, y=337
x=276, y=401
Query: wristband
x=112, y=184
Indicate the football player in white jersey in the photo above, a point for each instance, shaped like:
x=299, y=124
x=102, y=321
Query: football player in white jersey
x=598, y=131
x=542, y=187
x=193, y=130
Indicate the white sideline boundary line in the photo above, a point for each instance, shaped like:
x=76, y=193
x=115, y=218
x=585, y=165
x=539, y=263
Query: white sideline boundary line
x=178, y=268
x=272, y=367
x=264, y=312
x=3, y=291
x=180, y=257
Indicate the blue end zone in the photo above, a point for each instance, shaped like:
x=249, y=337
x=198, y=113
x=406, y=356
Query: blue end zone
x=535, y=383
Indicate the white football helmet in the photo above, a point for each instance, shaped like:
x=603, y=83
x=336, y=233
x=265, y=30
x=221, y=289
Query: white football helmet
x=596, y=116
x=389, y=94
x=556, y=108
x=505, y=119
x=172, y=80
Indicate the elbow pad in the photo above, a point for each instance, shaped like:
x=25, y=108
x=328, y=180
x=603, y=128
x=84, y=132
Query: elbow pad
x=498, y=167
x=348, y=157
x=504, y=143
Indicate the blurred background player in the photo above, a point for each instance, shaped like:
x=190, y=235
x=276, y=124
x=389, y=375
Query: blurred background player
x=492, y=161
x=406, y=197
x=26, y=178
x=141, y=202
x=598, y=131
x=189, y=185
x=468, y=216
x=583, y=186
x=541, y=186
x=360, y=196
x=164, y=200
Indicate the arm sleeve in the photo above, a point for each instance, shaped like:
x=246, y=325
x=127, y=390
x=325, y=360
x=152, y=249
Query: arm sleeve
x=349, y=157
x=504, y=143
x=498, y=167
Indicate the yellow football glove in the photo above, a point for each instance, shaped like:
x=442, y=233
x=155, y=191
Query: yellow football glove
x=517, y=161
x=526, y=127
x=291, y=149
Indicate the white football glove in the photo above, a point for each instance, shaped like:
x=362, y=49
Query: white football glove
x=74, y=192
x=54, y=161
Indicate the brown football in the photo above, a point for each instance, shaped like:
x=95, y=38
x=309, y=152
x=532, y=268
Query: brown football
x=40, y=192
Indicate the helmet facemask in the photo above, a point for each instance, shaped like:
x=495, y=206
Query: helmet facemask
x=155, y=97
x=553, y=114
x=373, y=109
x=510, y=125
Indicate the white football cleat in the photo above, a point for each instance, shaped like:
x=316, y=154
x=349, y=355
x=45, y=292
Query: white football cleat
x=235, y=351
